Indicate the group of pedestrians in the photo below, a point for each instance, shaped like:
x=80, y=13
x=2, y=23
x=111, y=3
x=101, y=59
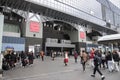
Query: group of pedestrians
x=98, y=59
x=11, y=58
x=106, y=60
x=27, y=59
x=109, y=60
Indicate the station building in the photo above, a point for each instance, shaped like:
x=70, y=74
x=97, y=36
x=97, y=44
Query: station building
x=59, y=25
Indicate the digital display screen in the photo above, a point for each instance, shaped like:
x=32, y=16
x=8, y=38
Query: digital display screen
x=34, y=26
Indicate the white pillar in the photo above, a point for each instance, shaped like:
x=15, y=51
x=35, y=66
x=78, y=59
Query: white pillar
x=1, y=33
x=111, y=47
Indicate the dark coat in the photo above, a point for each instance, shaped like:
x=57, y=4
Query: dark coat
x=97, y=60
x=115, y=57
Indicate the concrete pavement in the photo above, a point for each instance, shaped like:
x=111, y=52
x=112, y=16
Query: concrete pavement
x=55, y=70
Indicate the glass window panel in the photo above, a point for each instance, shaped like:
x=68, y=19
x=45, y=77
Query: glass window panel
x=11, y=28
x=109, y=16
x=117, y=20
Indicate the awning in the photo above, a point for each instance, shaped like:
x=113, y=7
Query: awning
x=60, y=45
x=94, y=33
x=109, y=38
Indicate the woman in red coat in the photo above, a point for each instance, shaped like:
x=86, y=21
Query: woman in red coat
x=92, y=57
x=66, y=58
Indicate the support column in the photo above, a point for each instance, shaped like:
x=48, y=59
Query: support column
x=111, y=47
x=61, y=49
x=1, y=33
x=45, y=50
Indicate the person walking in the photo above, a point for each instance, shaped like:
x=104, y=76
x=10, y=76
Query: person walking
x=103, y=59
x=110, y=61
x=23, y=56
x=66, y=58
x=53, y=55
x=30, y=57
x=116, y=60
x=42, y=55
x=92, y=57
x=13, y=59
x=96, y=65
x=84, y=59
x=75, y=56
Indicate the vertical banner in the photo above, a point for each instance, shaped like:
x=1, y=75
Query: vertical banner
x=82, y=34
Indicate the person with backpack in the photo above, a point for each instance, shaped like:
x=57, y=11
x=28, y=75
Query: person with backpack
x=97, y=62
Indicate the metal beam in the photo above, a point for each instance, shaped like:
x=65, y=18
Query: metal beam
x=12, y=5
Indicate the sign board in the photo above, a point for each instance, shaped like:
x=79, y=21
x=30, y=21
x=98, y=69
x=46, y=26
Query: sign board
x=34, y=26
x=82, y=35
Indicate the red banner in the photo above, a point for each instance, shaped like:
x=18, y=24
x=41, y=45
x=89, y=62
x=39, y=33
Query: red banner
x=34, y=26
x=82, y=35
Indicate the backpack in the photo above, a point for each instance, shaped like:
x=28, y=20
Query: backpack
x=97, y=60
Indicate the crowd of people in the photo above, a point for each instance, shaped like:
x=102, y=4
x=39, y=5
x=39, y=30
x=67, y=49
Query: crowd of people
x=96, y=58
x=11, y=58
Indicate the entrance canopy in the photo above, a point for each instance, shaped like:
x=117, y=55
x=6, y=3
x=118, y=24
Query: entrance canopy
x=60, y=45
x=110, y=38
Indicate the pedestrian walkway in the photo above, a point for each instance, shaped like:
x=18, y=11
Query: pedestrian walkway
x=55, y=70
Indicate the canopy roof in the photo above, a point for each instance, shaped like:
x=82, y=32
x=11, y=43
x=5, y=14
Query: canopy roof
x=109, y=37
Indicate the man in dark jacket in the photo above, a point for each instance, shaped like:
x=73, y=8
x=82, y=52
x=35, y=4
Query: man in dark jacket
x=23, y=57
x=97, y=62
x=116, y=60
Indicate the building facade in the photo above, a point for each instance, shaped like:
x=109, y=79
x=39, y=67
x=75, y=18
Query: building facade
x=59, y=25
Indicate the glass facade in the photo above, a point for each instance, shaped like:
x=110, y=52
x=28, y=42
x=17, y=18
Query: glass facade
x=117, y=19
x=109, y=16
x=11, y=28
x=111, y=13
x=74, y=6
x=89, y=10
x=83, y=9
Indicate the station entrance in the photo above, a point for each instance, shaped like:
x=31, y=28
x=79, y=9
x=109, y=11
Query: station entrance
x=57, y=37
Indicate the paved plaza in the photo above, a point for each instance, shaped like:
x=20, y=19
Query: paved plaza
x=55, y=70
